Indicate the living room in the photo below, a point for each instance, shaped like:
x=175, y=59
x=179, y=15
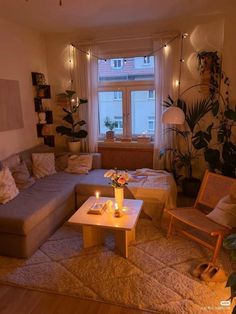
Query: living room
x=59, y=41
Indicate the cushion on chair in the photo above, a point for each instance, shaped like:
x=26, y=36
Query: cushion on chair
x=225, y=212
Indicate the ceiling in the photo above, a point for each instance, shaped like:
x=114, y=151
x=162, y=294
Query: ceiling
x=48, y=16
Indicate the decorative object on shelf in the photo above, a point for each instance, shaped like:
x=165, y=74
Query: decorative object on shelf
x=38, y=78
x=42, y=117
x=111, y=125
x=45, y=116
x=119, y=178
x=43, y=91
x=144, y=138
x=73, y=132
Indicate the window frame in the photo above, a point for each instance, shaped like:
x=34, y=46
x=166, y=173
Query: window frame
x=126, y=87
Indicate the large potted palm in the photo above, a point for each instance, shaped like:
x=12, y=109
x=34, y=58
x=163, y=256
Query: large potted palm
x=189, y=141
x=73, y=131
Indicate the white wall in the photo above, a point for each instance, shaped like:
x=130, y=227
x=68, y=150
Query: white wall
x=22, y=51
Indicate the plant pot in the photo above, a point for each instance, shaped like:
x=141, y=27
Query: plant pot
x=74, y=147
x=109, y=135
x=190, y=186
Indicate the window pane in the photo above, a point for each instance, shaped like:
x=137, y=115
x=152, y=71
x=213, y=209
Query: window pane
x=130, y=69
x=110, y=106
x=143, y=112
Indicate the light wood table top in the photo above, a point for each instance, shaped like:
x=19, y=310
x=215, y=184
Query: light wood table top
x=127, y=221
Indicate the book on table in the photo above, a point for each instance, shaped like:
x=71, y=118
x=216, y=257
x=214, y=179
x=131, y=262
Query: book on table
x=97, y=208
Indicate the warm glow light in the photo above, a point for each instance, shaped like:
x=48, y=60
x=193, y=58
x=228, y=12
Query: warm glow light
x=176, y=83
x=88, y=55
x=173, y=115
x=97, y=194
x=116, y=206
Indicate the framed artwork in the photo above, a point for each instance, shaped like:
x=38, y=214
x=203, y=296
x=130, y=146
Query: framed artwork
x=43, y=91
x=38, y=78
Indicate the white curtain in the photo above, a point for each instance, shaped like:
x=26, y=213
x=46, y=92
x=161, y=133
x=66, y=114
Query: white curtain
x=86, y=86
x=164, y=78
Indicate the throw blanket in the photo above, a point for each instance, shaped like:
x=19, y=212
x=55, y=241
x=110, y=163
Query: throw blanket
x=156, y=188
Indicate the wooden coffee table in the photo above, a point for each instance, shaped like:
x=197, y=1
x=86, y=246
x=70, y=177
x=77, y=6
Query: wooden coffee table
x=93, y=226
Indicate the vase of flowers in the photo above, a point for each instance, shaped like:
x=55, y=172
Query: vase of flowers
x=118, y=180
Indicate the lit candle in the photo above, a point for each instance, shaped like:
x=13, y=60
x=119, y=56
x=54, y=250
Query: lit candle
x=97, y=195
x=116, y=206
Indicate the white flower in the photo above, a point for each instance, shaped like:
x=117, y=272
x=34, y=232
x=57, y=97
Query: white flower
x=109, y=173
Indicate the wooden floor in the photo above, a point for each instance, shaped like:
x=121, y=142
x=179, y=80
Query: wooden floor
x=15, y=300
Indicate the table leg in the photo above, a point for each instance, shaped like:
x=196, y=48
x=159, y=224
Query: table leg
x=122, y=240
x=92, y=236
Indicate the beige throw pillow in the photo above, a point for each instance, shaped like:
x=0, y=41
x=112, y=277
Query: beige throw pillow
x=225, y=212
x=79, y=164
x=43, y=164
x=8, y=189
x=22, y=176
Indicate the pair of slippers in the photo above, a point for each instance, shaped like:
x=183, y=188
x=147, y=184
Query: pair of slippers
x=209, y=272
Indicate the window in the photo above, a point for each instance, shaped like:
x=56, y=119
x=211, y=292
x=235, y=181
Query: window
x=147, y=60
x=117, y=63
x=117, y=95
x=151, y=94
x=127, y=97
x=151, y=125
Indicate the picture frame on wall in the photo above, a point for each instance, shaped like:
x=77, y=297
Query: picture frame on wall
x=38, y=78
x=43, y=91
x=38, y=106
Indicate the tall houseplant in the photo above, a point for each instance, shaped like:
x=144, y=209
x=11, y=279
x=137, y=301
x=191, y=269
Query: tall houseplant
x=185, y=154
x=72, y=131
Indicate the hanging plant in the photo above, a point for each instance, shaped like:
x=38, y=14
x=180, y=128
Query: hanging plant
x=209, y=66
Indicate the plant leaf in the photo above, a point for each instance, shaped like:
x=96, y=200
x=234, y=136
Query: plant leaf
x=231, y=280
x=197, y=111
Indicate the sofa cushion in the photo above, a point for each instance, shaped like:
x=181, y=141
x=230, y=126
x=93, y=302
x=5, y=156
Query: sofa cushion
x=43, y=164
x=22, y=176
x=79, y=164
x=8, y=189
x=26, y=155
x=11, y=161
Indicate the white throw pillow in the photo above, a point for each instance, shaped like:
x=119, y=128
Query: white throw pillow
x=79, y=164
x=8, y=189
x=225, y=212
x=43, y=164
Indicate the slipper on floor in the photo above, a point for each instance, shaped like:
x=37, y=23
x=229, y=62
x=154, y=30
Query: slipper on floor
x=214, y=274
x=199, y=269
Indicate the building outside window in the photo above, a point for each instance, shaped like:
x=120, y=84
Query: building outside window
x=127, y=96
x=117, y=63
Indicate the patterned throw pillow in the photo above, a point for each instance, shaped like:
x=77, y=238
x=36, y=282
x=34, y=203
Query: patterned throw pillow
x=79, y=164
x=225, y=212
x=43, y=164
x=22, y=176
x=8, y=189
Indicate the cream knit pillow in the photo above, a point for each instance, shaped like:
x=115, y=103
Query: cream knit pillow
x=8, y=189
x=43, y=164
x=79, y=164
x=225, y=212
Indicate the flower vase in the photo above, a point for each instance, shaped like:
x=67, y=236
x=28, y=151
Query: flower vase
x=119, y=197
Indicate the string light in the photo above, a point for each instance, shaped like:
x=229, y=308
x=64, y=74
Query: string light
x=145, y=57
x=183, y=36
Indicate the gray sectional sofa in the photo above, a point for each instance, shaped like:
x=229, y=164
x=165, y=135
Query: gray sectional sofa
x=35, y=213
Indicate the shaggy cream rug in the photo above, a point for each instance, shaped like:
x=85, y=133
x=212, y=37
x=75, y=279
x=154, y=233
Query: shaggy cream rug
x=156, y=276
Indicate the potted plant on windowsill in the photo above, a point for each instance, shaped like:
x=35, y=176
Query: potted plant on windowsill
x=111, y=125
x=73, y=131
